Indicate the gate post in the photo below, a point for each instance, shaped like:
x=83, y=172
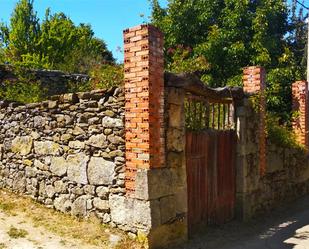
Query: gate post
x=149, y=181
x=300, y=105
x=255, y=83
x=251, y=147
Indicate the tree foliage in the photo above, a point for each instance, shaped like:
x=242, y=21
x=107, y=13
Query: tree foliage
x=54, y=43
x=232, y=34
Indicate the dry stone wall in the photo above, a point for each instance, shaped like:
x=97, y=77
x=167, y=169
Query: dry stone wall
x=287, y=169
x=54, y=81
x=67, y=152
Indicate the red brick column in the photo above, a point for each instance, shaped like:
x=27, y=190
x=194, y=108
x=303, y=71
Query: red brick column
x=254, y=80
x=300, y=105
x=144, y=94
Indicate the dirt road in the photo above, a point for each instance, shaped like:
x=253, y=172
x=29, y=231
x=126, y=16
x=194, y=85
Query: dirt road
x=285, y=228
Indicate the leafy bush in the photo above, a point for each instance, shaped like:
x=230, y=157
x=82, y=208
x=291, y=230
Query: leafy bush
x=24, y=92
x=184, y=61
x=281, y=135
x=106, y=76
x=74, y=87
x=278, y=131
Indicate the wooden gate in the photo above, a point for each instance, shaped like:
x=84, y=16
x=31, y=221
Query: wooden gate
x=210, y=155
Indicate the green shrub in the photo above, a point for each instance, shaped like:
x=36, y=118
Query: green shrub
x=280, y=134
x=74, y=87
x=24, y=92
x=106, y=75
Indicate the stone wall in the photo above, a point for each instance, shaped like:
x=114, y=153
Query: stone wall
x=55, y=82
x=67, y=152
x=287, y=169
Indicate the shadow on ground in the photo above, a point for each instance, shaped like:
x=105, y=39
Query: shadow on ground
x=285, y=228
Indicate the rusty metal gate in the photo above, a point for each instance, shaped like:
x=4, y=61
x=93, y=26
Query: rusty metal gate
x=210, y=155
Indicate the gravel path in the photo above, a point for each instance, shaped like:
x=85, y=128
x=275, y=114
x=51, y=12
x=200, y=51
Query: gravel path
x=284, y=228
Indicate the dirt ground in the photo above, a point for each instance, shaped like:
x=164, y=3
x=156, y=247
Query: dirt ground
x=25, y=224
x=35, y=237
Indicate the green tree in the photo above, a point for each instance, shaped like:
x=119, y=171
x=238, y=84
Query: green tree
x=69, y=47
x=54, y=43
x=232, y=34
x=21, y=37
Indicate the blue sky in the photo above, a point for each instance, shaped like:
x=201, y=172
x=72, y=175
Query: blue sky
x=107, y=17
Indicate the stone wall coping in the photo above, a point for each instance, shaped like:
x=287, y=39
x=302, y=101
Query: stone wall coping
x=63, y=98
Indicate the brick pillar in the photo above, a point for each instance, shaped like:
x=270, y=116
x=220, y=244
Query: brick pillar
x=300, y=105
x=144, y=94
x=254, y=80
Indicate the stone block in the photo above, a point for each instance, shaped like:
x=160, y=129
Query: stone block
x=175, y=140
x=61, y=187
x=121, y=209
x=58, y=166
x=175, y=160
x=153, y=184
x=63, y=203
x=181, y=199
x=79, y=206
x=176, y=116
x=109, y=122
x=103, y=192
x=98, y=141
x=77, y=168
x=102, y=205
x=76, y=144
x=39, y=122
x=38, y=164
x=142, y=214
x=101, y=171
x=132, y=213
x=47, y=148
x=179, y=176
x=167, y=209
x=275, y=162
x=171, y=235
x=19, y=183
x=22, y=145
x=175, y=96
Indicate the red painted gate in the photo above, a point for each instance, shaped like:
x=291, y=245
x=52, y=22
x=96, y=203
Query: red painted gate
x=210, y=155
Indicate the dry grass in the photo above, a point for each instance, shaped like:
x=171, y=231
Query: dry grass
x=88, y=231
x=15, y=233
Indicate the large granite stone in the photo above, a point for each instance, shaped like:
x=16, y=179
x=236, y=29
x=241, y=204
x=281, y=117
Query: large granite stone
x=98, y=141
x=77, y=168
x=47, y=148
x=58, y=166
x=63, y=203
x=100, y=171
x=101, y=205
x=109, y=122
x=79, y=206
x=22, y=145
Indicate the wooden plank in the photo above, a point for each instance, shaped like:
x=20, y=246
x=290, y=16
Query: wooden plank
x=211, y=177
x=194, y=85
